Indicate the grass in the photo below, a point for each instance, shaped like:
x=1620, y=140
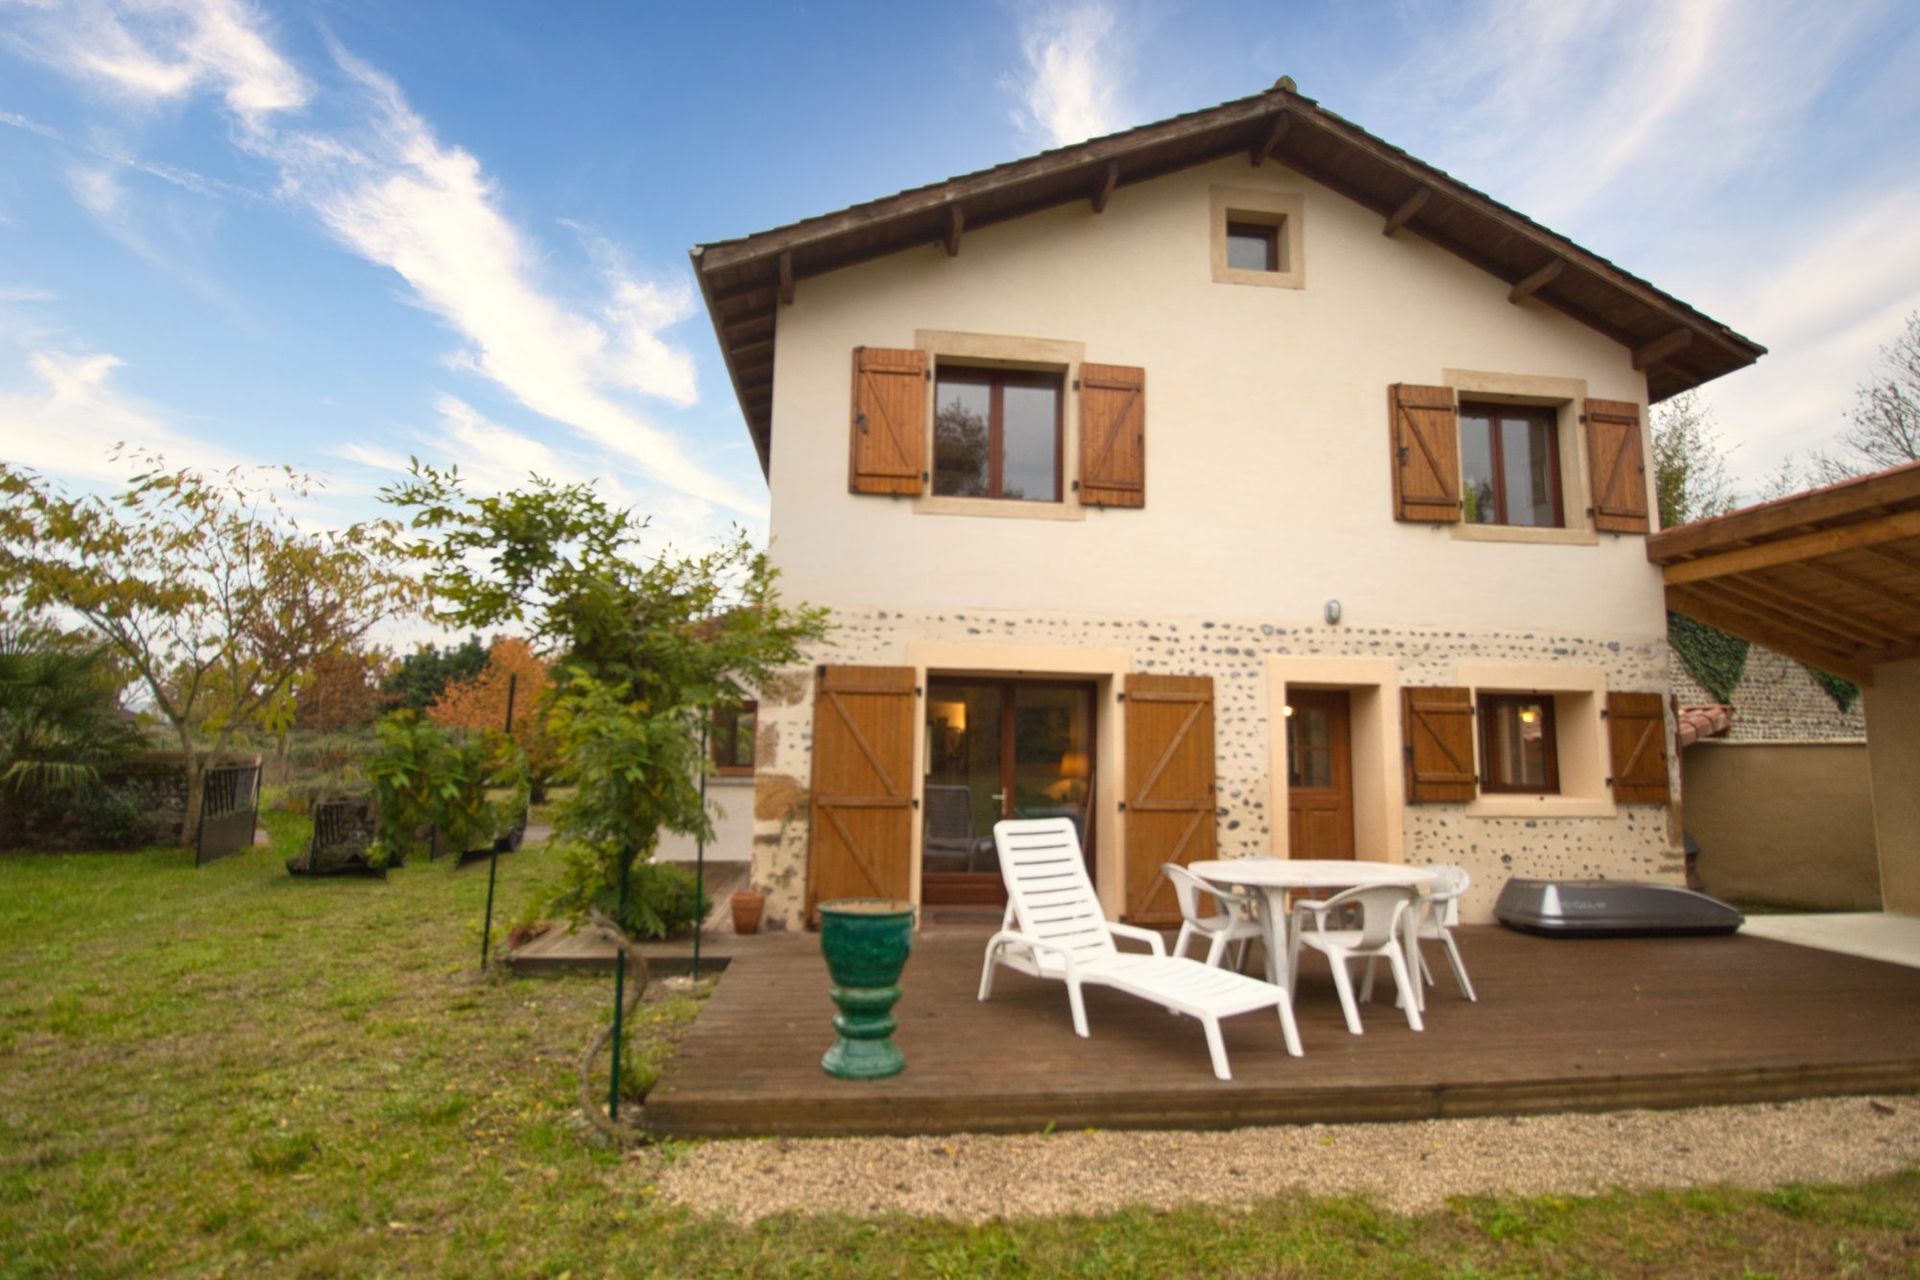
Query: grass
x=233, y=1072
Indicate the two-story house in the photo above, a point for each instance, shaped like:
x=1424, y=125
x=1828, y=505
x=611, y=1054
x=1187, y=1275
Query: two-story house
x=1237, y=484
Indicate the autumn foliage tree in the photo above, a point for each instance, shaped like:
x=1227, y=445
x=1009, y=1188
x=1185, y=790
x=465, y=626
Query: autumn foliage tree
x=480, y=702
x=340, y=692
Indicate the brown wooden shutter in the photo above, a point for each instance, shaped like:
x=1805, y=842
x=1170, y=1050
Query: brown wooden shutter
x=889, y=420
x=1438, y=725
x=1617, y=459
x=862, y=829
x=1637, y=732
x=1113, y=435
x=1170, y=793
x=1426, y=453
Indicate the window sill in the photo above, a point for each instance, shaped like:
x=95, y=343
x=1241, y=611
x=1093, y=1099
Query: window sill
x=1267, y=279
x=731, y=777
x=998, y=508
x=1519, y=806
x=1525, y=533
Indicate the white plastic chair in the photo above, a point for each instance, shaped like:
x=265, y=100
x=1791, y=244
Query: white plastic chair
x=1055, y=928
x=1439, y=913
x=1382, y=910
x=1235, y=919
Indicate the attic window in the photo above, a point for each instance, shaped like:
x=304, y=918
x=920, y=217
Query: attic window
x=1253, y=246
x=1256, y=237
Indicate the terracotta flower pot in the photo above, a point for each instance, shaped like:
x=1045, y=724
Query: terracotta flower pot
x=747, y=904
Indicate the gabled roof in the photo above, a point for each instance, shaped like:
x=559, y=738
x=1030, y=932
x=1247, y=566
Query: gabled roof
x=745, y=280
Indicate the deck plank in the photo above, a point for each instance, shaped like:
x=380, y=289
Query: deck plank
x=1560, y=1025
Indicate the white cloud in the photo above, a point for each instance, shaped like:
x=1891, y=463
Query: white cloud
x=25, y=293
x=388, y=189
x=156, y=51
x=69, y=420
x=1073, y=64
x=136, y=224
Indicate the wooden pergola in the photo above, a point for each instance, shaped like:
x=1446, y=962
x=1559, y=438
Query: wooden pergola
x=1831, y=577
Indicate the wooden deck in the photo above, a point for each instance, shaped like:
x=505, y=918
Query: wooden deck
x=1561, y=1025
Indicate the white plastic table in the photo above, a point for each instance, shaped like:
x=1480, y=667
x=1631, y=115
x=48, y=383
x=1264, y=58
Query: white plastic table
x=1277, y=877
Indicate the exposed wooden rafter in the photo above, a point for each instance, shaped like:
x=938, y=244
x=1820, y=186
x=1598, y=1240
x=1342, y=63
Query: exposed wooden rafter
x=1409, y=207
x=1661, y=348
x=1904, y=524
x=1103, y=191
x=1270, y=140
x=1716, y=611
x=786, y=279
x=1537, y=281
x=956, y=227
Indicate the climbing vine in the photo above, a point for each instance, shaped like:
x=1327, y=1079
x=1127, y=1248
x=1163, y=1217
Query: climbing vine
x=1711, y=656
x=1843, y=692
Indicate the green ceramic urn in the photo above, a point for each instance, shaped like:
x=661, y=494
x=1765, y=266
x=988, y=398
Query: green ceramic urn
x=866, y=941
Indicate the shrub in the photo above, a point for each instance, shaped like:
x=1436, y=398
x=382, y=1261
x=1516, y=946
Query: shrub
x=663, y=898
x=423, y=776
x=111, y=818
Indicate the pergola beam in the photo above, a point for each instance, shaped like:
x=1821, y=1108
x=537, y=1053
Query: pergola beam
x=1693, y=602
x=1805, y=546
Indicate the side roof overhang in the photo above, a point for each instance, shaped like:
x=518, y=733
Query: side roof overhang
x=745, y=280
x=1831, y=577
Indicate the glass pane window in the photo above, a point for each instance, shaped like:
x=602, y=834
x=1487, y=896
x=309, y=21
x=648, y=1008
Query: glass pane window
x=996, y=434
x=1253, y=246
x=1510, y=465
x=1309, y=747
x=1518, y=744
x=730, y=738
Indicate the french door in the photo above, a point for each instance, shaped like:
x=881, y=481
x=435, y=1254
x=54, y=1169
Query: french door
x=999, y=749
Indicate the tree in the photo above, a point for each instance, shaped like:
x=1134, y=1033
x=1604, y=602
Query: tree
x=60, y=712
x=1883, y=430
x=480, y=703
x=420, y=676
x=204, y=586
x=1690, y=476
x=340, y=692
x=646, y=647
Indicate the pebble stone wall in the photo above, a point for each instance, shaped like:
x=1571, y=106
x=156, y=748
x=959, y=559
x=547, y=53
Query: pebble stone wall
x=1777, y=701
x=1635, y=843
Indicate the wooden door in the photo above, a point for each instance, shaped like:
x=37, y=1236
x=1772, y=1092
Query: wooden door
x=862, y=830
x=1319, y=774
x=1170, y=788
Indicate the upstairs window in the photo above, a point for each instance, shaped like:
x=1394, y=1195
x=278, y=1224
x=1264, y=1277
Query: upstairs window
x=1253, y=246
x=730, y=738
x=1510, y=465
x=996, y=434
x=1518, y=744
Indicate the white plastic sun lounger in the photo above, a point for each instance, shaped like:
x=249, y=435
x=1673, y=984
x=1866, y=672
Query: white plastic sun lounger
x=1055, y=928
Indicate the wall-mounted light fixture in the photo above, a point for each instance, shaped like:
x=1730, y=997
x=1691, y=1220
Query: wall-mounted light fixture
x=1333, y=613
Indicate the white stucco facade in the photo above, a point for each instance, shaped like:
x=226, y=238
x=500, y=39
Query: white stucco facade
x=1268, y=494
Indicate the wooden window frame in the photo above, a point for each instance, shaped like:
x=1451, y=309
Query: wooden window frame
x=997, y=380
x=1484, y=705
x=1496, y=412
x=724, y=728
x=1267, y=232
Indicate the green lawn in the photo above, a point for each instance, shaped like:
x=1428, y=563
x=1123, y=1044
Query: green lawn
x=230, y=1071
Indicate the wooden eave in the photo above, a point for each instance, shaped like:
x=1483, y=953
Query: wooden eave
x=745, y=280
x=1831, y=577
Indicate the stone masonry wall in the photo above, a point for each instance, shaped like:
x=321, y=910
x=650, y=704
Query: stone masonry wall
x=1636, y=843
x=1776, y=701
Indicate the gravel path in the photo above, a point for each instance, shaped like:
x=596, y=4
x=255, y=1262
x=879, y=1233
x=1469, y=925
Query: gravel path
x=1409, y=1167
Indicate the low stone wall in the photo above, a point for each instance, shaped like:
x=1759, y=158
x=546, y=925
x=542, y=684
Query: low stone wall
x=1784, y=824
x=153, y=787
x=1777, y=701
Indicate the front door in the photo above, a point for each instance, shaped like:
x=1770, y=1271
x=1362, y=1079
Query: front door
x=1319, y=774
x=999, y=749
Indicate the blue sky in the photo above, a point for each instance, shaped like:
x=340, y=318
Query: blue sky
x=332, y=234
